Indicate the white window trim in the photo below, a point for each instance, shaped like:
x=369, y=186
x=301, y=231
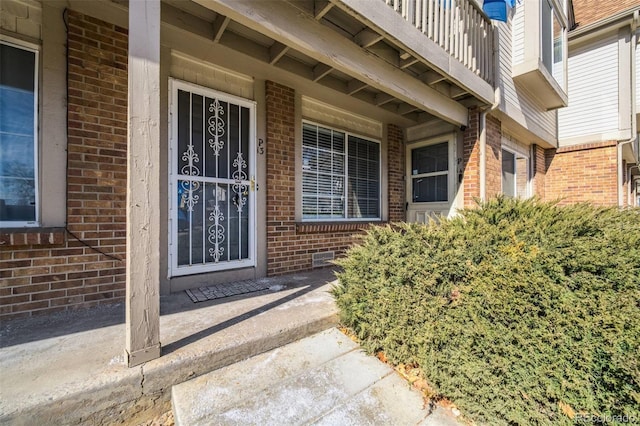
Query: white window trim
x=35, y=49
x=451, y=173
x=516, y=153
x=174, y=269
x=346, y=174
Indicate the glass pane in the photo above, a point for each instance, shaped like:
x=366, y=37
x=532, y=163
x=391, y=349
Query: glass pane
x=430, y=189
x=547, y=35
x=558, y=50
x=184, y=131
x=309, y=135
x=508, y=174
x=430, y=159
x=17, y=135
x=364, y=183
x=216, y=222
x=190, y=222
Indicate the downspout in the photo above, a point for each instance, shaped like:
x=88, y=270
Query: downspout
x=483, y=155
x=634, y=130
x=483, y=119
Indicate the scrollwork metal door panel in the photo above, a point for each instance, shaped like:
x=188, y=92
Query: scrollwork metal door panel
x=212, y=179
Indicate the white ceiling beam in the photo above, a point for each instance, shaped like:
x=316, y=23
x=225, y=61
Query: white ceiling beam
x=354, y=86
x=277, y=51
x=321, y=70
x=320, y=8
x=383, y=98
x=406, y=63
x=310, y=37
x=367, y=38
x=410, y=40
x=406, y=109
x=219, y=25
x=432, y=77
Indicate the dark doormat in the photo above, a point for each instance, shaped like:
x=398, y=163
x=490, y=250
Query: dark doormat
x=219, y=291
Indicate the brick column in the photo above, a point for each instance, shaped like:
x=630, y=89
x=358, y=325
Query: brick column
x=395, y=173
x=493, y=161
x=471, y=159
x=539, y=171
x=281, y=226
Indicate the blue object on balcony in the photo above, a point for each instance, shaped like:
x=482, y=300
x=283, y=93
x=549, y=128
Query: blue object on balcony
x=496, y=9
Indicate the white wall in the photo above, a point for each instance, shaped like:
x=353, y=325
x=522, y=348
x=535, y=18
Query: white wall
x=525, y=115
x=637, y=55
x=593, y=90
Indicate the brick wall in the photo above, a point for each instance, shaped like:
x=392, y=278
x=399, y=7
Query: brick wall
x=584, y=173
x=290, y=245
x=539, y=172
x=395, y=173
x=493, y=168
x=44, y=274
x=471, y=159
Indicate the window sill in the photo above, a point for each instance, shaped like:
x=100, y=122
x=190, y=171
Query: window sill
x=324, y=227
x=10, y=237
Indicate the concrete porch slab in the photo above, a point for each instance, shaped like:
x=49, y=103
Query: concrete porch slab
x=68, y=368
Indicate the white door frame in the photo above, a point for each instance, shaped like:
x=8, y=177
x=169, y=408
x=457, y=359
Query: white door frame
x=174, y=269
x=421, y=211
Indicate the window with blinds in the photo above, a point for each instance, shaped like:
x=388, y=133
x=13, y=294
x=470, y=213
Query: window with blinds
x=340, y=175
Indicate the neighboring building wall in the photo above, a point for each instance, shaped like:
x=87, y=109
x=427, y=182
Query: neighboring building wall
x=44, y=277
x=395, y=172
x=593, y=91
x=585, y=173
x=290, y=245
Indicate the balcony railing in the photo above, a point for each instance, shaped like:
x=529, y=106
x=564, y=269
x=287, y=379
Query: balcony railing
x=458, y=26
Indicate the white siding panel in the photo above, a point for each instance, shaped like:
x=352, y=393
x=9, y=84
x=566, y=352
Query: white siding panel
x=191, y=70
x=637, y=71
x=518, y=34
x=512, y=95
x=593, y=90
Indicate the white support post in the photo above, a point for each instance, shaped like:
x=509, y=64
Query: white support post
x=143, y=181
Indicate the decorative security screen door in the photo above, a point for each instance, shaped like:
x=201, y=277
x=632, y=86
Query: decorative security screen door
x=212, y=181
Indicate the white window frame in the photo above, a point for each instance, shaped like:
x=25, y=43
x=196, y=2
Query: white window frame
x=174, y=269
x=516, y=153
x=35, y=49
x=346, y=176
x=451, y=173
x=554, y=16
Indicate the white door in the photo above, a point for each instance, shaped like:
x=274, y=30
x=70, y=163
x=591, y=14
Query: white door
x=430, y=178
x=212, y=212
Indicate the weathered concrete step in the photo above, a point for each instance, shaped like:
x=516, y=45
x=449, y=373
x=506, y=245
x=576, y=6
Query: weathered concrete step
x=196, y=400
x=79, y=377
x=321, y=380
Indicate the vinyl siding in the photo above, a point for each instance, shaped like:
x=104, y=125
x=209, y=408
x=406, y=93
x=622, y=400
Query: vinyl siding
x=515, y=97
x=637, y=54
x=518, y=34
x=593, y=90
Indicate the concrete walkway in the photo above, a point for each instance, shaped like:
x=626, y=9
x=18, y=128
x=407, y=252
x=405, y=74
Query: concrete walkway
x=68, y=368
x=321, y=380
